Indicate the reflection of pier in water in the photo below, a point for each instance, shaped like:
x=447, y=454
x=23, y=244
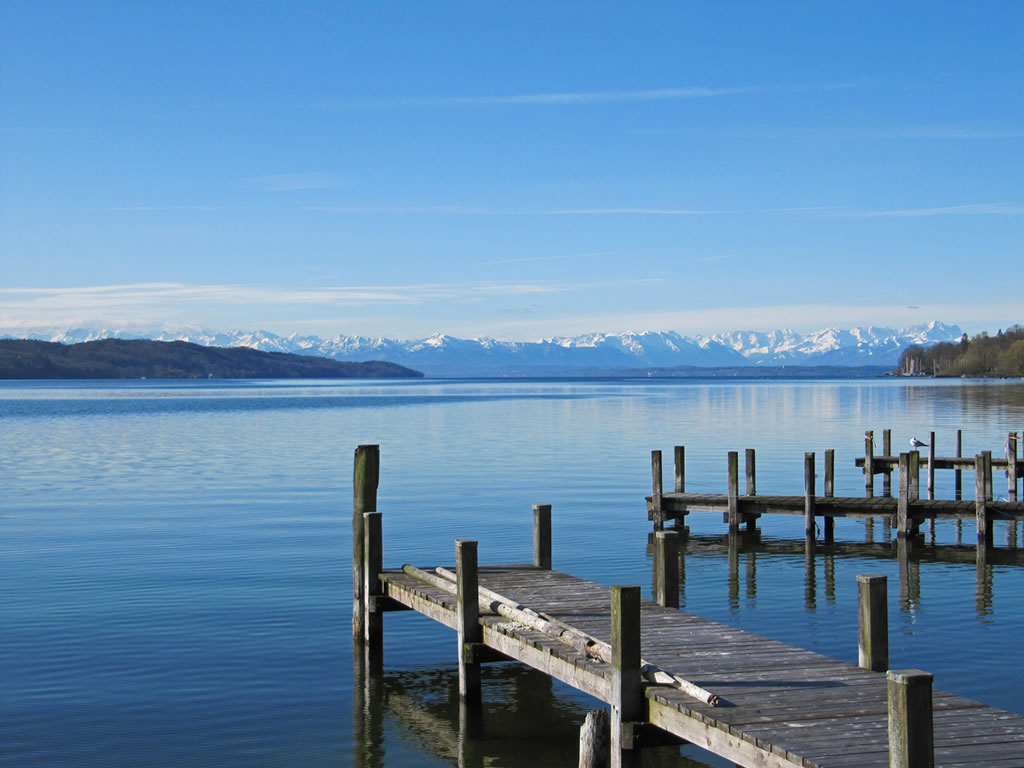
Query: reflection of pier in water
x=523, y=722
x=743, y=549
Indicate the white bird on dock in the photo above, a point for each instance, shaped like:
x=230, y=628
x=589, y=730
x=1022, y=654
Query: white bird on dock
x=915, y=443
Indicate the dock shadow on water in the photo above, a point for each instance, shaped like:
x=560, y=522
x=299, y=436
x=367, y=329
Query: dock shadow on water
x=415, y=717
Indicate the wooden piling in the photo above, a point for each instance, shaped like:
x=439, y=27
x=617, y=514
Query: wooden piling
x=957, y=477
x=680, y=468
x=365, y=478
x=733, y=513
x=887, y=451
x=372, y=588
x=989, y=488
x=911, y=741
x=931, y=465
x=656, y=479
x=627, y=698
x=1011, y=466
x=542, y=536
x=873, y=614
x=666, y=568
x=981, y=502
x=830, y=473
x=809, y=498
x=594, y=746
x=903, y=498
x=470, y=633
x=869, y=463
x=751, y=471
x=915, y=475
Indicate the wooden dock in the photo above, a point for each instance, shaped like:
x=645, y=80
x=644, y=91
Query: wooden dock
x=669, y=676
x=907, y=510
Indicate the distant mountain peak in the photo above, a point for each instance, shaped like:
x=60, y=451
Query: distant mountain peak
x=442, y=355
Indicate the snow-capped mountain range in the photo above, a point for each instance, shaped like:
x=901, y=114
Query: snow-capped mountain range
x=441, y=355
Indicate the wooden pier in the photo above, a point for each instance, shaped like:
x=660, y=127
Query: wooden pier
x=669, y=676
x=907, y=510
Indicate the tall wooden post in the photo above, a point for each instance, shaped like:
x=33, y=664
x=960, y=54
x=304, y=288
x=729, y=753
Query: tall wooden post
x=734, y=492
x=869, y=463
x=957, y=477
x=903, y=498
x=658, y=514
x=542, y=536
x=1011, y=468
x=931, y=465
x=887, y=451
x=981, y=502
x=830, y=472
x=470, y=633
x=365, y=478
x=911, y=741
x=989, y=489
x=666, y=568
x=873, y=614
x=809, y=498
x=372, y=565
x=627, y=692
x=680, y=468
x=915, y=475
x=751, y=470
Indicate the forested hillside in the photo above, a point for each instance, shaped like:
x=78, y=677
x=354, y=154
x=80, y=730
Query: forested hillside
x=982, y=355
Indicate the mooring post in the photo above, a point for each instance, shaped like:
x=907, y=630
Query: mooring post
x=887, y=451
x=809, y=500
x=365, y=477
x=373, y=556
x=989, y=488
x=666, y=568
x=751, y=471
x=915, y=475
x=733, y=513
x=680, y=468
x=542, y=536
x=1011, y=469
x=958, y=489
x=627, y=692
x=903, y=499
x=869, y=463
x=911, y=741
x=470, y=633
x=873, y=614
x=830, y=473
x=981, y=503
x=656, y=511
x=594, y=746
x=931, y=465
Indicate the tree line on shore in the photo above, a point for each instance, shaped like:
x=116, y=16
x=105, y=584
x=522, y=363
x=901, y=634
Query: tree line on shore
x=982, y=355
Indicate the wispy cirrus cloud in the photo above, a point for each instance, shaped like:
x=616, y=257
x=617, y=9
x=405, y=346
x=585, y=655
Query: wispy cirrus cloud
x=968, y=209
x=581, y=98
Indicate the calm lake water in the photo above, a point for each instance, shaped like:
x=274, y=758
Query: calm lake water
x=175, y=557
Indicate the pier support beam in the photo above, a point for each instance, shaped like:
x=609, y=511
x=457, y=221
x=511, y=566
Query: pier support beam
x=542, y=536
x=656, y=480
x=373, y=555
x=680, y=468
x=931, y=465
x=666, y=568
x=627, y=691
x=470, y=633
x=983, y=471
x=873, y=614
x=830, y=474
x=733, y=513
x=869, y=463
x=911, y=741
x=1011, y=468
x=910, y=468
x=594, y=745
x=887, y=451
x=809, y=499
x=365, y=477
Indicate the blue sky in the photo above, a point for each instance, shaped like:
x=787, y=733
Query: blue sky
x=516, y=170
